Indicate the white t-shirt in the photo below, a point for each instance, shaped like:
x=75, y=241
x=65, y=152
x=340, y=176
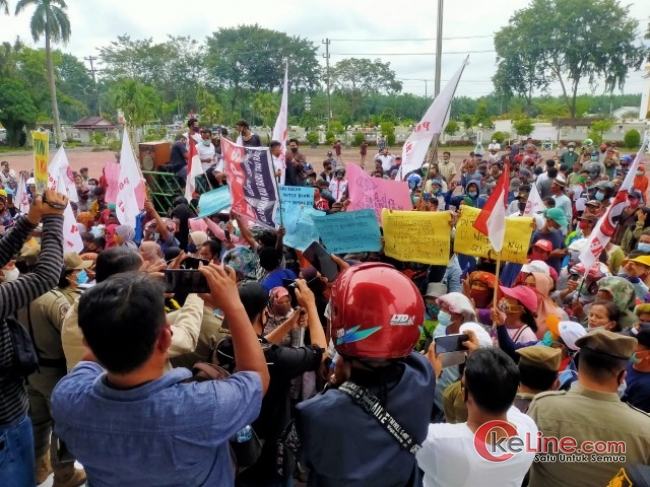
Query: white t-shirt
x=523, y=336
x=448, y=457
x=496, y=146
x=386, y=161
x=206, y=152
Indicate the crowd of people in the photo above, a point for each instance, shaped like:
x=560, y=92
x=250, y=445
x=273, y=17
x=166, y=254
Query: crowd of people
x=275, y=374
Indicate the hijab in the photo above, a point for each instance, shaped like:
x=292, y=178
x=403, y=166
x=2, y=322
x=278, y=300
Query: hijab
x=151, y=252
x=199, y=237
x=126, y=234
x=623, y=296
x=183, y=213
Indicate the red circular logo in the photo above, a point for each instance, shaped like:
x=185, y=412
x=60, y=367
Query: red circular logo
x=487, y=447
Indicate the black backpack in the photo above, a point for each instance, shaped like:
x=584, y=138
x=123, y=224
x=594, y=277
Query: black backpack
x=24, y=361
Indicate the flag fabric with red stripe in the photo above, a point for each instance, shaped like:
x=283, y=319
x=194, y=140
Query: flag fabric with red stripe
x=194, y=169
x=492, y=219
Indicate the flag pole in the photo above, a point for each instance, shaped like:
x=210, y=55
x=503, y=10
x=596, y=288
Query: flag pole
x=496, y=287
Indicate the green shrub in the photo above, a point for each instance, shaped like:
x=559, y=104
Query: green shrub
x=632, y=139
x=500, y=137
x=358, y=138
x=312, y=138
x=390, y=139
x=330, y=138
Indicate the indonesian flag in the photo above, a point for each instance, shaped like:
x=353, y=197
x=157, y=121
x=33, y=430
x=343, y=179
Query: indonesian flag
x=492, y=219
x=280, y=129
x=606, y=225
x=194, y=170
x=22, y=197
x=126, y=203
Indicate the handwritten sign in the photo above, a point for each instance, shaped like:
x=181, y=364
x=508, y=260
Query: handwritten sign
x=470, y=241
x=290, y=196
x=417, y=236
x=376, y=193
x=353, y=231
x=214, y=201
x=41, y=156
x=301, y=231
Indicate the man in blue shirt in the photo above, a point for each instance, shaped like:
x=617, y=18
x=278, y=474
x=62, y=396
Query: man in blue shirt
x=132, y=424
x=552, y=231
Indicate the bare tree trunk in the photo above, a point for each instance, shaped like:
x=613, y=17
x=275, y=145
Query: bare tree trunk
x=51, y=80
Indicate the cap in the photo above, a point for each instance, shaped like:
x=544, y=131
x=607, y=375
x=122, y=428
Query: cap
x=572, y=144
x=515, y=184
x=329, y=152
x=536, y=266
x=641, y=259
x=589, y=218
x=545, y=358
x=436, y=181
x=557, y=215
x=608, y=343
x=435, y=290
x=633, y=193
x=522, y=197
x=73, y=262
x=594, y=203
x=560, y=182
x=483, y=337
x=545, y=245
x=525, y=295
x=570, y=332
x=30, y=182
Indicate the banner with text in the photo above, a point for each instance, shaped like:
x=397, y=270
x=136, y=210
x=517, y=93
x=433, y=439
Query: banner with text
x=350, y=231
x=251, y=178
x=417, y=236
x=469, y=241
x=215, y=201
x=376, y=193
x=41, y=158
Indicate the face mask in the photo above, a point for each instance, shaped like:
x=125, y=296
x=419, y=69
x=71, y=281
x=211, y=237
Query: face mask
x=643, y=247
x=294, y=149
x=444, y=318
x=640, y=173
x=594, y=158
x=521, y=206
x=571, y=149
x=92, y=187
x=82, y=277
x=583, y=225
x=207, y=143
x=552, y=229
x=599, y=196
x=11, y=275
x=325, y=192
x=196, y=130
x=339, y=176
x=436, y=191
x=472, y=194
x=432, y=310
x=416, y=199
x=191, y=248
x=547, y=341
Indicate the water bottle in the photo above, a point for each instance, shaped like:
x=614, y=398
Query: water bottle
x=245, y=434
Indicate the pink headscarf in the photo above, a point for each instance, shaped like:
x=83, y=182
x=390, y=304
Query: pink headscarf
x=151, y=252
x=277, y=293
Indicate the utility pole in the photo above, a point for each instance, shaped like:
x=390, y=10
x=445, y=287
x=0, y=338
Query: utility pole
x=438, y=48
x=92, y=59
x=327, y=43
x=426, y=89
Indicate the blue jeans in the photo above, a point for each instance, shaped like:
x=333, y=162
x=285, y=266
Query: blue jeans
x=17, y=454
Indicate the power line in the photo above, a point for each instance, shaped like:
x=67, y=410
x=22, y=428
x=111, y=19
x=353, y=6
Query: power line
x=406, y=53
x=413, y=40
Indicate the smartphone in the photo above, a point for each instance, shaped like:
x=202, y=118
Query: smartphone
x=451, y=343
x=321, y=260
x=290, y=285
x=185, y=281
x=193, y=263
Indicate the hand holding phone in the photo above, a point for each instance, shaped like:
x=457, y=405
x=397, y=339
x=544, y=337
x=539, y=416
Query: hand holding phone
x=188, y=281
x=321, y=260
x=451, y=343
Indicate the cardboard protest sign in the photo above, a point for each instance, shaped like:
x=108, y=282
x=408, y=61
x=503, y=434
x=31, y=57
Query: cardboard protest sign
x=417, y=236
x=350, y=231
x=469, y=241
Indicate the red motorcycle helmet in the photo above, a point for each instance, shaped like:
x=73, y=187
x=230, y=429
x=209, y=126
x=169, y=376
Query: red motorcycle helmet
x=375, y=312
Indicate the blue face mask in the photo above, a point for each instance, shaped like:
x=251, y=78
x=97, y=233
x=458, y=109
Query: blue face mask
x=643, y=247
x=599, y=196
x=191, y=248
x=432, y=310
x=472, y=194
x=547, y=341
x=416, y=199
x=82, y=277
x=444, y=318
x=634, y=359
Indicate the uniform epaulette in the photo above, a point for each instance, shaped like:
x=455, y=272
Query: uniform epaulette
x=638, y=410
x=548, y=394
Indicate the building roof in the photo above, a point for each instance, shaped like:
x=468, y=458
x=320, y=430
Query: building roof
x=94, y=123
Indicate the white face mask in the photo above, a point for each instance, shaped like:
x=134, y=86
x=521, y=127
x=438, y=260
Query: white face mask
x=10, y=275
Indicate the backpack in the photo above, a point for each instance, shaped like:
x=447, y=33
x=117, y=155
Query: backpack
x=24, y=360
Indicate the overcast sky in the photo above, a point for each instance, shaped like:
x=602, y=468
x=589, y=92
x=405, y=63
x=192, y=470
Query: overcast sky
x=97, y=22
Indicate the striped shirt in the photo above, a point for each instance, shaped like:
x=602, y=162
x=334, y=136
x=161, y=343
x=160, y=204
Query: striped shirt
x=15, y=295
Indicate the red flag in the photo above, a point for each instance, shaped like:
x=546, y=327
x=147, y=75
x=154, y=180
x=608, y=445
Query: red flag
x=491, y=220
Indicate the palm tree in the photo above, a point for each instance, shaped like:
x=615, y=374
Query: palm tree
x=51, y=20
x=4, y=5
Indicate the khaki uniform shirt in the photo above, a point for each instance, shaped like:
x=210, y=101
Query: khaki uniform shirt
x=587, y=415
x=523, y=400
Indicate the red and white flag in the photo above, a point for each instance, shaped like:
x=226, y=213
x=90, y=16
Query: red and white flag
x=126, y=204
x=194, y=170
x=492, y=219
x=606, y=225
x=280, y=129
x=22, y=197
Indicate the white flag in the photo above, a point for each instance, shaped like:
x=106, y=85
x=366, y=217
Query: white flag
x=534, y=203
x=59, y=176
x=71, y=237
x=432, y=124
x=194, y=170
x=496, y=223
x=126, y=205
x=280, y=129
x=606, y=225
x=21, y=199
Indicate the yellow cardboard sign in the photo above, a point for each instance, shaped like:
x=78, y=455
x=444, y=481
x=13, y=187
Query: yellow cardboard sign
x=417, y=236
x=470, y=241
x=41, y=158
